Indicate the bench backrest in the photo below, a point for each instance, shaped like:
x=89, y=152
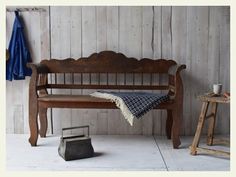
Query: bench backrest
x=107, y=70
x=108, y=62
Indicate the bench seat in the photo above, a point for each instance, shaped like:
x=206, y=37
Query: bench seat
x=82, y=101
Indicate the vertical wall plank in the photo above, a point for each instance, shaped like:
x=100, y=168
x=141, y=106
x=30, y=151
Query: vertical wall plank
x=130, y=31
x=191, y=37
x=89, y=36
x=17, y=103
x=89, y=46
x=147, y=31
x=166, y=50
x=55, y=53
x=10, y=89
x=214, y=51
x=157, y=53
x=112, y=28
x=76, y=52
x=179, y=51
x=130, y=44
x=198, y=41
x=214, y=46
x=33, y=41
x=224, y=109
x=101, y=22
x=45, y=48
x=114, y=117
x=60, y=44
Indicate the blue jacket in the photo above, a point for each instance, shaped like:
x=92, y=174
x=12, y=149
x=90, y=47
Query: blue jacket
x=19, y=54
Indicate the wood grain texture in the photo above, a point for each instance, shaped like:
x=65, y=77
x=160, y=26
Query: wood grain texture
x=196, y=36
x=89, y=45
x=10, y=85
x=108, y=61
x=166, y=49
x=147, y=32
x=46, y=50
x=115, y=123
x=76, y=52
x=44, y=100
x=179, y=51
x=223, y=125
x=101, y=121
x=61, y=31
x=157, y=53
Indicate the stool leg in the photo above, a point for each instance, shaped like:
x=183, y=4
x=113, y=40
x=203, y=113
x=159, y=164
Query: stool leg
x=199, y=128
x=211, y=127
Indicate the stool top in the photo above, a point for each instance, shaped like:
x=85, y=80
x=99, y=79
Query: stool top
x=212, y=98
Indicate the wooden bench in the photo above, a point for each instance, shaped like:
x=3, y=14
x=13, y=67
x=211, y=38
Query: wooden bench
x=103, y=63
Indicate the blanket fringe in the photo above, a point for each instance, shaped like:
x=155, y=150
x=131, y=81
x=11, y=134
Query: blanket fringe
x=119, y=103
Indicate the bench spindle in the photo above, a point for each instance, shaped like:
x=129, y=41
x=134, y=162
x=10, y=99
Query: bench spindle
x=73, y=78
x=142, y=79
x=133, y=79
x=81, y=78
x=64, y=78
x=151, y=77
x=124, y=78
x=55, y=77
x=90, y=79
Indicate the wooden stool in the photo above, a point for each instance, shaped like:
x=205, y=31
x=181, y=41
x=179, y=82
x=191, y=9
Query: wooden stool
x=207, y=100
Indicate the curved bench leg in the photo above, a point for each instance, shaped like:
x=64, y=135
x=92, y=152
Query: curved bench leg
x=169, y=122
x=176, y=128
x=43, y=121
x=33, y=124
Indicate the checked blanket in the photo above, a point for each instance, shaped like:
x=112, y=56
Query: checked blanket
x=133, y=104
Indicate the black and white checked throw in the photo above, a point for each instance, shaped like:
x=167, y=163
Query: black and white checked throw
x=137, y=103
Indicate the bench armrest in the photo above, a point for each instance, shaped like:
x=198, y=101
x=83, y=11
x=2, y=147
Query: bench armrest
x=38, y=68
x=39, y=72
x=175, y=69
x=178, y=84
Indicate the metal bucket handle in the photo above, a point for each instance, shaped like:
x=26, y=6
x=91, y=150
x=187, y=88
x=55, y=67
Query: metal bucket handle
x=70, y=128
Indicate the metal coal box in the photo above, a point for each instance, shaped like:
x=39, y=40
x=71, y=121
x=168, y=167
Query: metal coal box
x=75, y=147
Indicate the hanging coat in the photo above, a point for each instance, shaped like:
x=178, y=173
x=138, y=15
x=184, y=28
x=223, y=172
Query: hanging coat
x=19, y=54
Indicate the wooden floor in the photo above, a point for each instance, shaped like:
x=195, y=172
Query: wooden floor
x=113, y=152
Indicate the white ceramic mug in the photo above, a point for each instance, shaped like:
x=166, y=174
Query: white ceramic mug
x=217, y=88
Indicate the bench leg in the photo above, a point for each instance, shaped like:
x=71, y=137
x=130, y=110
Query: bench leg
x=43, y=121
x=33, y=124
x=169, y=122
x=176, y=128
x=211, y=127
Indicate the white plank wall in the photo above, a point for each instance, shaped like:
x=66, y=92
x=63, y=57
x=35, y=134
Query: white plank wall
x=196, y=36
